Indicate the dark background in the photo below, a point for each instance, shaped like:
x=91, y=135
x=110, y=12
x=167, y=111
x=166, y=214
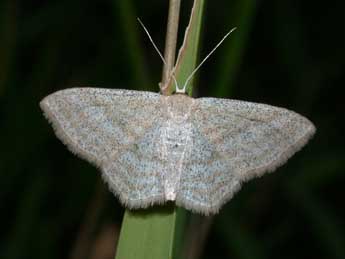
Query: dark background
x=288, y=53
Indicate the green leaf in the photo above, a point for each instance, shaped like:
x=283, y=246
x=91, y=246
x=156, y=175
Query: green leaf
x=148, y=233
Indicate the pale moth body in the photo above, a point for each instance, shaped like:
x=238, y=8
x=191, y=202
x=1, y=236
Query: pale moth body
x=153, y=148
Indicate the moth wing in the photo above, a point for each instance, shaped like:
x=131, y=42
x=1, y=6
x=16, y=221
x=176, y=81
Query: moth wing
x=137, y=173
x=203, y=181
x=237, y=141
x=106, y=127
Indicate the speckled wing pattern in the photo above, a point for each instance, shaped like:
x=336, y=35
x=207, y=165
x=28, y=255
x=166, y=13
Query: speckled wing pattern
x=236, y=141
x=108, y=128
x=153, y=148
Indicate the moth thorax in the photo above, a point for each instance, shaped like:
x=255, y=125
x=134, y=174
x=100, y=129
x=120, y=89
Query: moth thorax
x=178, y=107
x=175, y=138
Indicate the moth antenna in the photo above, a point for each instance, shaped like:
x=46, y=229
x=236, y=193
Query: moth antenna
x=157, y=50
x=203, y=61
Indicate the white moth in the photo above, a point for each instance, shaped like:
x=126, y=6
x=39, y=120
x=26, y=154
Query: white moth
x=153, y=148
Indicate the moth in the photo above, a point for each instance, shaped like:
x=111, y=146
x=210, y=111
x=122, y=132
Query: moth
x=153, y=148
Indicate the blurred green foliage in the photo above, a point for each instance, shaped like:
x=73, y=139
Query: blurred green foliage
x=285, y=53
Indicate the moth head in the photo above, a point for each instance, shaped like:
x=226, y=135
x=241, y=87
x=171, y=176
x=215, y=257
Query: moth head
x=180, y=90
x=179, y=106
